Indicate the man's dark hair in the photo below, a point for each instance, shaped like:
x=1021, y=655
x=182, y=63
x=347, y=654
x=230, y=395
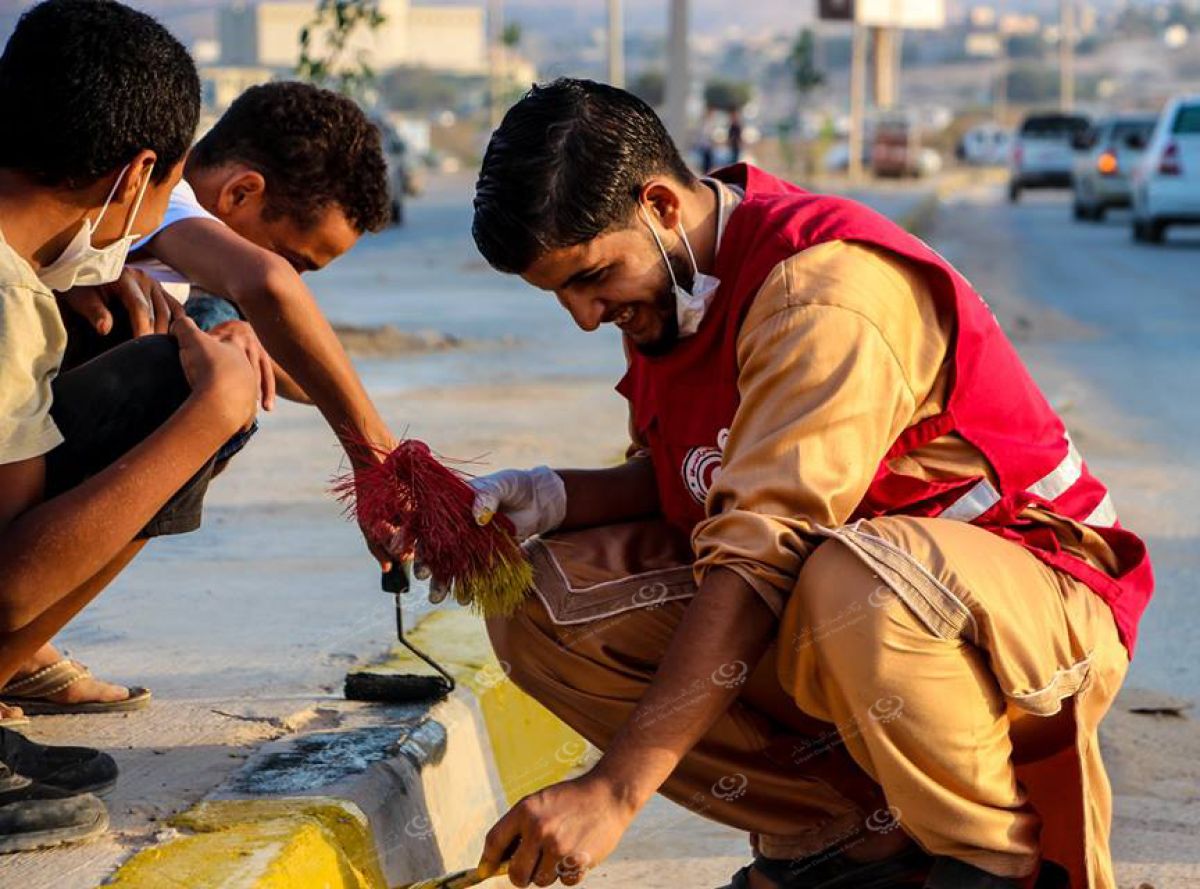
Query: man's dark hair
x=87, y=84
x=313, y=147
x=567, y=164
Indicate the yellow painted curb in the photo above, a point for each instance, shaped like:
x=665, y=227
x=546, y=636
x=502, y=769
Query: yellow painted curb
x=531, y=747
x=265, y=844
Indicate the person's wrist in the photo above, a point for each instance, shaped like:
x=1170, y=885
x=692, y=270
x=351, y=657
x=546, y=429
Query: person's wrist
x=630, y=788
x=551, y=494
x=366, y=446
x=208, y=400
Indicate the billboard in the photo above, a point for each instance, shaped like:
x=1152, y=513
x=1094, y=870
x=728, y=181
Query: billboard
x=835, y=10
x=915, y=14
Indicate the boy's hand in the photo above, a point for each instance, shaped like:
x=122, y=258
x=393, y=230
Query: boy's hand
x=217, y=372
x=242, y=335
x=143, y=299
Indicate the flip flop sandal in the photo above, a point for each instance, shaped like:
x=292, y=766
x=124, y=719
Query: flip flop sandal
x=30, y=693
x=823, y=871
x=10, y=721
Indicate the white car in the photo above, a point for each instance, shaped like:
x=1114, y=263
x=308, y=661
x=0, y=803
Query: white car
x=1166, y=183
x=987, y=144
x=1105, y=156
x=1042, y=155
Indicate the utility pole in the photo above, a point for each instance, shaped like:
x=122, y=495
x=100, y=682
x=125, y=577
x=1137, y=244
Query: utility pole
x=1000, y=93
x=858, y=89
x=616, y=44
x=886, y=42
x=1066, y=56
x=678, y=79
x=497, y=75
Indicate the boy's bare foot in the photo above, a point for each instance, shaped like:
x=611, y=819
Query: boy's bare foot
x=8, y=711
x=86, y=690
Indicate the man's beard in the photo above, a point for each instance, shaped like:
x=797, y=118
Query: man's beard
x=666, y=309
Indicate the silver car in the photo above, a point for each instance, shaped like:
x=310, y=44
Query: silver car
x=1042, y=156
x=1105, y=157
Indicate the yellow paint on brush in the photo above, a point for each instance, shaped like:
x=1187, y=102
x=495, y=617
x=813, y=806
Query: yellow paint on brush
x=264, y=844
x=531, y=746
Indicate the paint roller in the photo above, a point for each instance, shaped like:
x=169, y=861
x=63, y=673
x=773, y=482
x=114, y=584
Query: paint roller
x=394, y=688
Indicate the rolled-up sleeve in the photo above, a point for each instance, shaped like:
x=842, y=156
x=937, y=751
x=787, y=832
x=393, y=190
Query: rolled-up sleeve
x=823, y=396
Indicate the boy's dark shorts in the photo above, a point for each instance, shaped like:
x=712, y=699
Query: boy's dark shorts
x=107, y=405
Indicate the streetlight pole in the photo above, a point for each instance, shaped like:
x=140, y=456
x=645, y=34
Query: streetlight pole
x=495, y=51
x=616, y=44
x=1066, y=56
x=678, y=80
x=1000, y=95
x=858, y=98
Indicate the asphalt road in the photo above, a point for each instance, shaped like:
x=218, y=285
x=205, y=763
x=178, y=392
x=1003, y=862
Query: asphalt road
x=1110, y=329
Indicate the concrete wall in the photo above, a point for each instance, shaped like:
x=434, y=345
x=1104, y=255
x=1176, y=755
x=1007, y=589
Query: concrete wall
x=439, y=37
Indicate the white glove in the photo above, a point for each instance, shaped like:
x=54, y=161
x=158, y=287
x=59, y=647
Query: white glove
x=534, y=500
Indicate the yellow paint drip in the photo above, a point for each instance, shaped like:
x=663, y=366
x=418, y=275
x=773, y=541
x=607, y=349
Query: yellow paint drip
x=265, y=844
x=531, y=746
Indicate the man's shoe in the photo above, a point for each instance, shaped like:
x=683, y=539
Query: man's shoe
x=70, y=769
x=34, y=816
x=950, y=873
x=833, y=870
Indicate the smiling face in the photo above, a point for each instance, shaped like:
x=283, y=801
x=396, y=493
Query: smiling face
x=307, y=247
x=620, y=278
x=237, y=196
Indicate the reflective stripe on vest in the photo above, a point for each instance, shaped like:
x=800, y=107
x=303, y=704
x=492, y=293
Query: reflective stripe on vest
x=983, y=495
x=1104, y=515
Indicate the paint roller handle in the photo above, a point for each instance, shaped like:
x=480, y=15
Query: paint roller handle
x=395, y=580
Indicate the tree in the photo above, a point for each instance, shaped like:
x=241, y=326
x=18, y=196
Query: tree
x=726, y=95
x=651, y=87
x=327, y=53
x=511, y=35
x=806, y=76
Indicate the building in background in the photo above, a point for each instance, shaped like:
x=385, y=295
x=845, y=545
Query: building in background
x=442, y=38
x=221, y=84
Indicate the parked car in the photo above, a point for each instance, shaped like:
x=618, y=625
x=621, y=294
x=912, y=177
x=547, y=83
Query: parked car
x=402, y=176
x=1166, y=182
x=985, y=145
x=1105, y=156
x=1042, y=156
x=895, y=146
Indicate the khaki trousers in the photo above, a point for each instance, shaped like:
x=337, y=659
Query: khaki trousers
x=927, y=676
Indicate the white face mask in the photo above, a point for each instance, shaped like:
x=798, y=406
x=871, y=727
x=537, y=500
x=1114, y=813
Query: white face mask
x=81, y=263
x=689, y=306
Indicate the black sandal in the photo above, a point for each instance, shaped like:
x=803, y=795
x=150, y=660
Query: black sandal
x=834, y=871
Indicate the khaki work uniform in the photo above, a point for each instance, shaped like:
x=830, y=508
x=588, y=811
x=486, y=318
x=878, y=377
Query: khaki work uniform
x=927, y=674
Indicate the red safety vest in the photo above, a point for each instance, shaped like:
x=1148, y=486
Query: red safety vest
x=684, y=402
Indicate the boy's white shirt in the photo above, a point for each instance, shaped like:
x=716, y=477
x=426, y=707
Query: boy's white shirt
x=180, y=206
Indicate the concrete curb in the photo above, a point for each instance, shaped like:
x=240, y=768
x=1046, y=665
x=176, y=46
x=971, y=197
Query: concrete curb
x=392, y=795
x=919, y=221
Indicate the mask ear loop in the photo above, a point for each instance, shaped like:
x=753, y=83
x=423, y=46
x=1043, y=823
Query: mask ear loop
x=112, y=191
x=137, y=204
x=661, y=248
x=687, y=244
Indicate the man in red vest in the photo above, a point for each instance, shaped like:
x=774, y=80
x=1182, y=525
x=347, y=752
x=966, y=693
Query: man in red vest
x=854, y=591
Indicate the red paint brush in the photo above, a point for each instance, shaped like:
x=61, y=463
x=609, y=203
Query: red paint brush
x=412, y=496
